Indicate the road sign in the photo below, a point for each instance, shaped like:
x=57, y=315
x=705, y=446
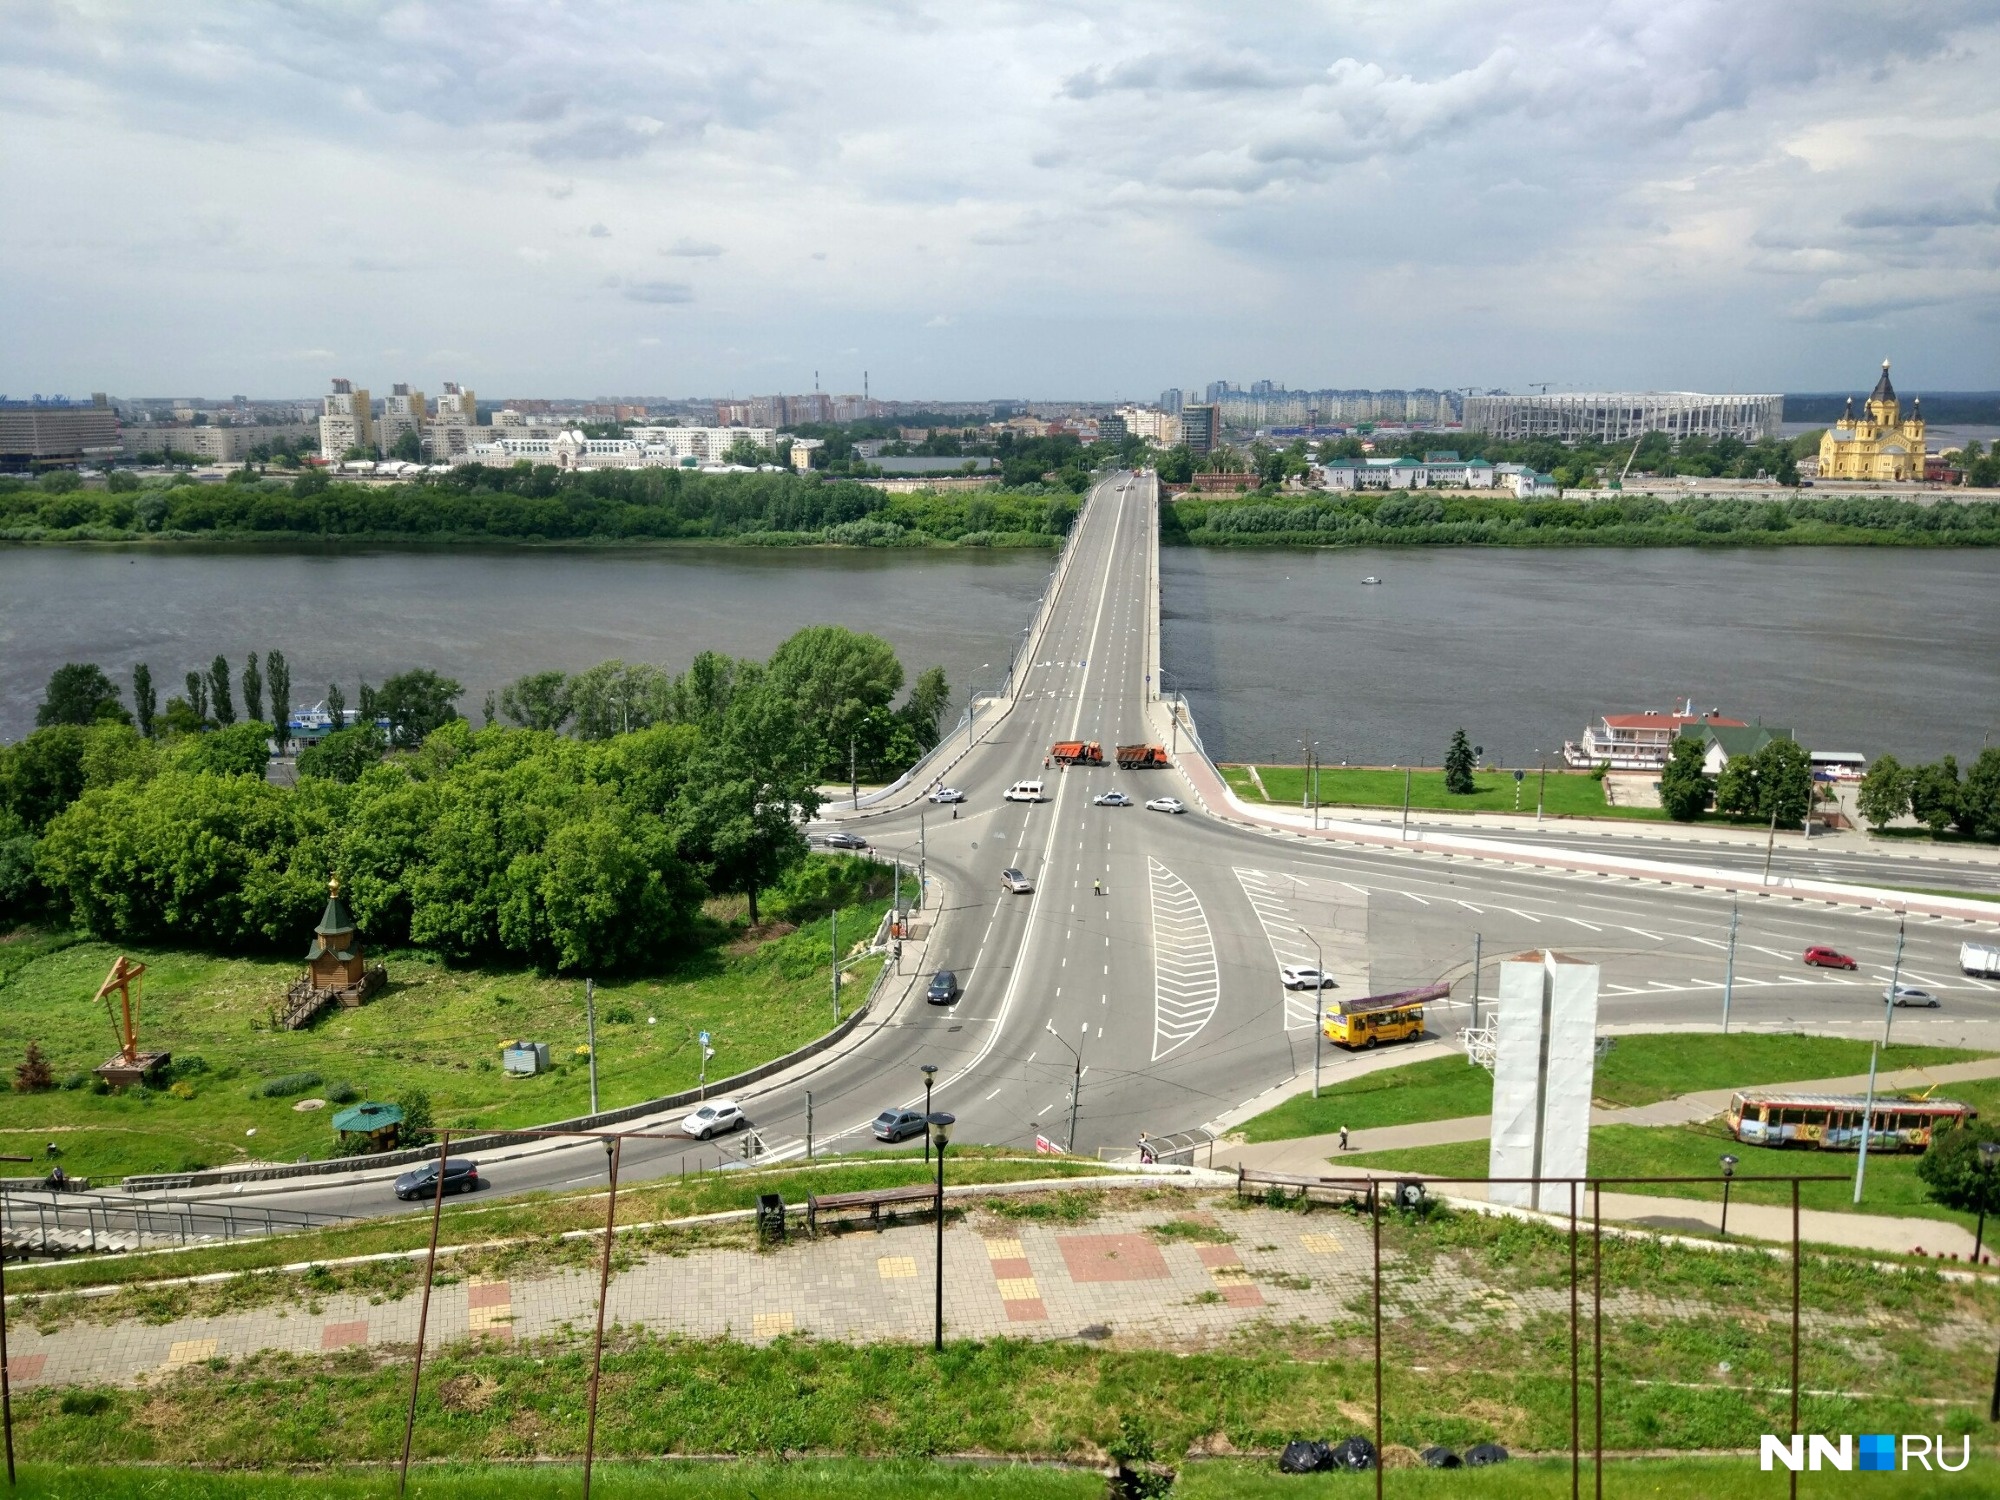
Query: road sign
x=703, y=1039
x=1519, y=777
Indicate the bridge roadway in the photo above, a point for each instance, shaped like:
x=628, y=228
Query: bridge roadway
x=1167, y=982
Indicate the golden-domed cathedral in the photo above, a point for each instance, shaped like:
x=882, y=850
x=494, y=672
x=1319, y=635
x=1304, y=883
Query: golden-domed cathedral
x=1878, y=444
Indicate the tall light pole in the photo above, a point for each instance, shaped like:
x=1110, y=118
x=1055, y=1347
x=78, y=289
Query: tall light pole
x=1076, y=1083
x=590, y=1023
x=1895, y=982
x=1728, y=1175
x=939, y=1135
x=1542, y=790
x=1319, y=1003
x=929, y=1070
x=1729, y=970
x=1867, y=1127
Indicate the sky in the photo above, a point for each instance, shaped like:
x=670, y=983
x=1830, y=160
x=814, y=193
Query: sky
x=974, y=200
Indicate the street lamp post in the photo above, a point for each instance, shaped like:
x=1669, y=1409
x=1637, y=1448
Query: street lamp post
x=1989, y=1151
x=929, y=1070
x=1319, y=1003
x=1895, y=981
x=1076, y=1083
x=1542, y=789
x=940, y=1136
x=1728, y=1173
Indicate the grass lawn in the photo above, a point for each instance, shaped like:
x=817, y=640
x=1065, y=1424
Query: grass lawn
x=1892, y=1186
x=1637, y=1070
x=1571, y=794
x=1929, y=890
x=435, y=1028
x=862, y=1479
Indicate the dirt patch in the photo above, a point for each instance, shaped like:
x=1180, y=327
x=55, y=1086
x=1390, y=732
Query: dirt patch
x=468, y=1393
x=753, y=938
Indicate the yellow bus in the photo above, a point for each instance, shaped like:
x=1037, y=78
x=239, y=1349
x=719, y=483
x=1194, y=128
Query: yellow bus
x=1369, y=1022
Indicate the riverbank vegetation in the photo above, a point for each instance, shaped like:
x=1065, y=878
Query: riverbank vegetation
x=1935, y=796
x=543, y=504
x=1568, y=794
x=1608, y=519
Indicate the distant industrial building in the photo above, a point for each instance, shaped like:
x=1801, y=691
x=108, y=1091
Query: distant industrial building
x=1622, y=416
x=35, y=433
x=215, y=443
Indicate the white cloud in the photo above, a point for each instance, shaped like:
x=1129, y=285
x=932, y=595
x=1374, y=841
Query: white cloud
x=1654, y=191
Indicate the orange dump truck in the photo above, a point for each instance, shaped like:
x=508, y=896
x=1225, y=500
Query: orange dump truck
x=1077, y=753
x=1141, y=757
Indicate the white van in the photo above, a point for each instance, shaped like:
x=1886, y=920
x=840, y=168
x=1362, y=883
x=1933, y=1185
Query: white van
x=1025, y=791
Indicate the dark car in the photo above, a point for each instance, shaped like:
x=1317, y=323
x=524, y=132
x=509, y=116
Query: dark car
x=944, y=988
x=899, y=1124
x=1819, y=956
x=460, y=1176
x=845, y=841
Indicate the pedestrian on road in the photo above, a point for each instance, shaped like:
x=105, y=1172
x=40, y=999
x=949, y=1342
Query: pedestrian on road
x=1097, y=886
x=1343, y=1137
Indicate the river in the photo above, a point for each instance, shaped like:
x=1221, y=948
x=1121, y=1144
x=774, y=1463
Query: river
x=1873, y=650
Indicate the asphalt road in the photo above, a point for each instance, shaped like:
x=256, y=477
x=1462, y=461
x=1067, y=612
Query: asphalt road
x=1161, y=994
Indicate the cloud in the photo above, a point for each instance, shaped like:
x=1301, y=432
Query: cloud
x=660, y=291
x=599, y=232
x=531, y=255
x=941, y=320
x=692, y=249
x=1949, y=214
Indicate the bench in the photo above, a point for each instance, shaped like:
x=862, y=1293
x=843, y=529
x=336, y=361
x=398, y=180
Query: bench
x=874, y=1200
x=1252, y=1183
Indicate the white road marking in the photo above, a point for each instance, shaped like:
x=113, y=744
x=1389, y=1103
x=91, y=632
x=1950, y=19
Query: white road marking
x=1187, y=981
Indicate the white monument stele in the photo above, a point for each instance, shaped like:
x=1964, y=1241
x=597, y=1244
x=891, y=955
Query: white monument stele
x=1545, y=1059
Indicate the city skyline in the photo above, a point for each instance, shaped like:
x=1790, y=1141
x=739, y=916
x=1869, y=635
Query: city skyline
x=968, y=201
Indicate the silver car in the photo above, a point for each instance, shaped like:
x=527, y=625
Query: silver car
x=1909, y=994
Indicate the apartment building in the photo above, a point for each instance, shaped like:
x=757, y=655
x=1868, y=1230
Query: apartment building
x=347, y=420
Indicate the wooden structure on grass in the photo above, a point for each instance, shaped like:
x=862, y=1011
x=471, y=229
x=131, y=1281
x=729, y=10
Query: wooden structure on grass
x=130, y=1066
x=337, y=968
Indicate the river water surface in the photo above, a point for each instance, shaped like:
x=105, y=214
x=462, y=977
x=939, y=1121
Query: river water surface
x=1866, y=649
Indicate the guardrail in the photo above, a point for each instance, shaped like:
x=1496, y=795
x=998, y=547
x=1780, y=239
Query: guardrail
x=96, y=1223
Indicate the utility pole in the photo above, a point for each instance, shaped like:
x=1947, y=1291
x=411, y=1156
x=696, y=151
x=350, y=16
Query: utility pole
x=835, y=945
x=1406, y=801
x=590, y=1021
x=1076, y=1089
x=1867, y=1126
x=1316, y=765
x=923, y=861
x=1895, y=982
x=896, y=916
x=809, y=1124
x=1729, y=972
x=1542, y=791
x=1319, y=1003
x=1770, y=848
x=853, y=785
x=1475, y=981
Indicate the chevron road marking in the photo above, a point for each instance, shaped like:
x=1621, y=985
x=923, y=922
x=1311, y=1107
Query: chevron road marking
x=1187, y=981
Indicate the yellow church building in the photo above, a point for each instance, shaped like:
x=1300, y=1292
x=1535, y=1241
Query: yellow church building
x=1878, y=445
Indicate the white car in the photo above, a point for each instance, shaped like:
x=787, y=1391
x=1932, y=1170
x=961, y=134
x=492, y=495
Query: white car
x=1025, y=791
x=1111, y=799
x=947, y=794
x=1304, y=977
x=713, y=1118
x=1909, y=994
x=1166, y=804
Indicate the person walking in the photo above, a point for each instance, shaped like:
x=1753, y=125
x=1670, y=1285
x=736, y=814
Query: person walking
x=1097, y=886
x=1343, y=1137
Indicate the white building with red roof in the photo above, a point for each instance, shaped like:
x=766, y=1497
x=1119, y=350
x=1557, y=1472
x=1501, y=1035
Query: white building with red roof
x=1638, y=741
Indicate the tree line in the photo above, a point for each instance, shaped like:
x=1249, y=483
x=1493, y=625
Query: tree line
x=1935, y=795
x=1773, y=783
x=586, y=849
x=541, y=503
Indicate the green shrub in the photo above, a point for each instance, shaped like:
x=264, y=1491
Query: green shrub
x=285, y=1087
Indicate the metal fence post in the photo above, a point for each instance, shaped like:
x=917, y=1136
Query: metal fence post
x=423, y=1314
x=603, y=1296
x=1795, y=1327
x=1597, y=1326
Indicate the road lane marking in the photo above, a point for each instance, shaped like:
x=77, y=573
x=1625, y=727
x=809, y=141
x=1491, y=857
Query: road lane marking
x=1187, y=980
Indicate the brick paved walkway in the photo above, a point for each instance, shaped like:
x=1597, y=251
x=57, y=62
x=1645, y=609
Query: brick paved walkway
x=1117, y=1277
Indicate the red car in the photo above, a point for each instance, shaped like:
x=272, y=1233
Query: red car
x=1818, y=957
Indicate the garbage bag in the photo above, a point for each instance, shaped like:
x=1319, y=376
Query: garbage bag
x=1484, y=1454
x=1305, y=1456
x=1440, y=1458
x=1354, y=1453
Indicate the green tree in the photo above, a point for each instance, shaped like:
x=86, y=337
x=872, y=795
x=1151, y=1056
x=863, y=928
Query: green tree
x=408, y=446
x=197, y=696
x=1934, y=794
x=924, y=710
x=221, y=703
x=310, y=482
x=1773, y=781
x=836, y=678
x=1176, y=465
x=1979, y=802
x=1884, y=795
x=121, y=481
x=418, y=1127
x=18, y=886
x=145, y=701
x=278, y=678
x=44, y=773
x=1684, y=789
x=1458, y=766
x=1957, y=1175
x=233, y=750
x=180, y=718
x=253, y=690
x=738, y=816
x=541, y=700
x=336, y=704
x=415, y=703
x=701, y=694
x=747, y=453
x=616, y=698
x=79, y=693
x=343, y=755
